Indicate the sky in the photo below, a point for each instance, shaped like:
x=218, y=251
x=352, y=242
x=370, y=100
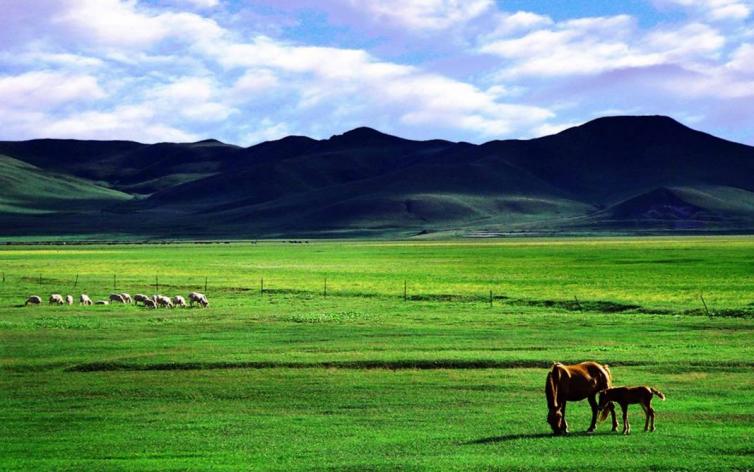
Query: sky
x=248, y=71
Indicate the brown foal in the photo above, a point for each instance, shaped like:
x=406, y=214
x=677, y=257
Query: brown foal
x=625, y=396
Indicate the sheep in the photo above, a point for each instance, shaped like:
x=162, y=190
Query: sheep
x=127, y=298
x=102, y=302
x=56, y=299
x=84, y=299
x=33, y=300
x=69, y=300
x=149, y=303
x=179, y=301
x=200, y=298
x=140, y=297
x=164, y=301
x=117, y=298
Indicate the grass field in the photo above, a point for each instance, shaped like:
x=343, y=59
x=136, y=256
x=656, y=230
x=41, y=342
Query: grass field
x=287, y=378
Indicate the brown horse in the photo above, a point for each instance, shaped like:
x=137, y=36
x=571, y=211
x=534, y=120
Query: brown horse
x=574, y=383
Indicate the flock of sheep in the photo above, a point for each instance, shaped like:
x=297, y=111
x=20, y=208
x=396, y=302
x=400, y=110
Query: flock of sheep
x=148, y=302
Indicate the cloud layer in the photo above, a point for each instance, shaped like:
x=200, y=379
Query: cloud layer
x=168, y=70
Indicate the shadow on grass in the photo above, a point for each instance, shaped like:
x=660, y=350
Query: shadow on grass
x=518, y=437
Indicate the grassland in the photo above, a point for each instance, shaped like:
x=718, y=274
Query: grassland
x=363, y=379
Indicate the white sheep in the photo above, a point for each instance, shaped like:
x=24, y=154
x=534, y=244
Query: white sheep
x=69, y=299
x=102, y=302
x=84, y=299
x=56, y=299
x=163, y=301
x=117, y=298
x=179, y=301
x=200, y=298
x=140, y=297
x=33, y=300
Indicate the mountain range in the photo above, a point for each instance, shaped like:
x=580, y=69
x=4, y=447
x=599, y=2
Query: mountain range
x=613, y=175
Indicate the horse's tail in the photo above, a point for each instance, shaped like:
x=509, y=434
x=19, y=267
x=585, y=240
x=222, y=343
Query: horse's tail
x=609, y=383
x=658, y=393
x=609, y=375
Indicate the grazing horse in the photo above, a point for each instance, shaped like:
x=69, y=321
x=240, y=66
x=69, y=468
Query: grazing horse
x=574, y=383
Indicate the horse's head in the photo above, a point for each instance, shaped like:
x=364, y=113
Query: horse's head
x=556, y=420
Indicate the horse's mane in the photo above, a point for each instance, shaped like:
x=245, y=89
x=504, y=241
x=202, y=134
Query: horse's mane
x=551, y=389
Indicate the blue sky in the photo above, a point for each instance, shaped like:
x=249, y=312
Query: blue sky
x=472, y=70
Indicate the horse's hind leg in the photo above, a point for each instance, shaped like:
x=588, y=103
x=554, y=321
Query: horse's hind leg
x=651, y=412
x=611, y=407
x=646, y=416
x=593, y=404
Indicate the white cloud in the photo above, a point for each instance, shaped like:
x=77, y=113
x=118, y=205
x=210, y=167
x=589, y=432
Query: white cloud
x=742, y=59
x=715, y=10
x=266, y=130
x=508, y=24
x=124, y=122
x=424, y=14
x=203, y=3
x=590, y=46
x=350, y=81
x=193, y=98
x=123, y=25
x=46, y=89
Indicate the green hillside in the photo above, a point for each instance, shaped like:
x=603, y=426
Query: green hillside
x=27, y=189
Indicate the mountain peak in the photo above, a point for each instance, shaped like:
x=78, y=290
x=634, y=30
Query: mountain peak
x=363, y=135
x=629, y=123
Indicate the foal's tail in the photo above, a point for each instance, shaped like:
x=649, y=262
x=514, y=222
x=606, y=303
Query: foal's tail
x=658, y=393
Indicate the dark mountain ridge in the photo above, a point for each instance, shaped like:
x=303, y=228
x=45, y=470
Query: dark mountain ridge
x=614, y=174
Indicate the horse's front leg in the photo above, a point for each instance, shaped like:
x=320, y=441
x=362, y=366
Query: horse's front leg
x=611, y=405
x=565, y=422
x=593, y=404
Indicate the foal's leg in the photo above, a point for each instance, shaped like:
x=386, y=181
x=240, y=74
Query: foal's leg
x=593, y=404
x=651, y=415
x=626, y=427
x=646, y=416
x=611, y=408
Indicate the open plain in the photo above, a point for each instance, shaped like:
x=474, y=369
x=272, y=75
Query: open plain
x=319, y=355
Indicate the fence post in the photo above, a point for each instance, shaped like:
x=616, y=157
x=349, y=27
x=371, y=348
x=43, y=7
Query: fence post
x=701, y=297
x=325, y=291
x=405, y=291
x=115, y=282
x=156, y=284
x=76, y=281
x=261, y=286
x=490, y=298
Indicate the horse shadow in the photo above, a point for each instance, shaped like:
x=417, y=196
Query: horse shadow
x=518, y=437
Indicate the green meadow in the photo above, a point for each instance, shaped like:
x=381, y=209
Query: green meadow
x=372, y=355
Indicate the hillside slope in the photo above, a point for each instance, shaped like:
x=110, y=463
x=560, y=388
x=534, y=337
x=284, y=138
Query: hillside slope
x=615, y=174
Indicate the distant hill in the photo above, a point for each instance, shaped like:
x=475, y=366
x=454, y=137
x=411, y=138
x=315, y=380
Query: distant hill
x=627, y=174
